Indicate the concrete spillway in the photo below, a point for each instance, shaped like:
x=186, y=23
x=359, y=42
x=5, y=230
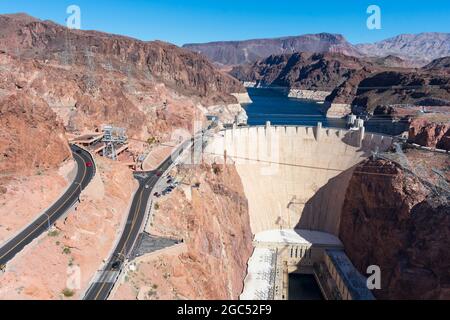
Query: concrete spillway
x=295, y=177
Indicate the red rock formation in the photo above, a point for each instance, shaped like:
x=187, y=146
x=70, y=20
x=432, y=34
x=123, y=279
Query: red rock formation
x=213, y=220
x=26, y=37
x=430, y=134
x=314, y=71
x=91, y=78
x=31, y=137
x=391, y=219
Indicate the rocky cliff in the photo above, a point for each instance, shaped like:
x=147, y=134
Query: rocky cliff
x=403, y=87
x=31, y=137
x=91, y=78
x=373, y=88
x=400, y=221
x=310, y=71
x=366, y=83
x=210, y=213
x=44, y=40
x=429, y=132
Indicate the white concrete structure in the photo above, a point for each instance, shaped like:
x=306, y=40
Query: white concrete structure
x=259, y=282
x=295, y=177
x=297, y=236
x=295, y=180
x=300, y=248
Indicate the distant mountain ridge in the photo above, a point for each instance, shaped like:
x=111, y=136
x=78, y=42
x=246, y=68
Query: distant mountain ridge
x=421, y=48
x=417, y=49
x=249, y=51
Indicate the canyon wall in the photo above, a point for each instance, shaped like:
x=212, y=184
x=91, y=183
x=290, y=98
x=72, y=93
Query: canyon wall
x=56, y=79
x=47, y=41
x=303, y=70
x=429, y=132
x=91, y=78
x=209, y=212
x=398, y=221
x=31, y=137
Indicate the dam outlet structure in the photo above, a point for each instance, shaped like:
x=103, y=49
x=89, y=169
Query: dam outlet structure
x=295, y=179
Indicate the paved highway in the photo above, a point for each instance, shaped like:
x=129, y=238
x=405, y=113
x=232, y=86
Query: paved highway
x=58, y=209
x=102, y=286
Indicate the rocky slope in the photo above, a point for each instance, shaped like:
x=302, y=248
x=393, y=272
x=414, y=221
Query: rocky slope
x=402, y=90
x=249, y=51
x=214, y=223
x=431, y=132
x=403, y=87
x=31, y=136
x=421, y=48
x=45, y=40
x=441, y=65
x=76, y=249
x=311, y=71
x=343, y=81
x=23, y=198
x=391, y=61
x=90, y=78
x=393, y=219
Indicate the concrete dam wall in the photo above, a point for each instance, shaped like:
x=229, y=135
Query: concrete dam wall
x=295, y=177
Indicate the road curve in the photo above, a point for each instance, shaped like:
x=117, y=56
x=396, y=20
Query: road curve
x=101, y=288
x=58, y=209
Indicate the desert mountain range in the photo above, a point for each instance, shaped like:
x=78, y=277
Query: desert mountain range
x=416, y=49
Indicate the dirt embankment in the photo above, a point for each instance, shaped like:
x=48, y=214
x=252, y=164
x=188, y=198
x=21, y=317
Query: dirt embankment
x=70, y=255
x=213, y=220
x=394, y=220
x=24, y=198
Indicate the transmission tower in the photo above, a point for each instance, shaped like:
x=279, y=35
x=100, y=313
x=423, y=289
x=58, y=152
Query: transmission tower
x=113, y=137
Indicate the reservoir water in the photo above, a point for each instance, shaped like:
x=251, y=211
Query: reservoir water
x=273, y=106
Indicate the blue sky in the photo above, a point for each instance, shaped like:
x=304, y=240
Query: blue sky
x=185, y=21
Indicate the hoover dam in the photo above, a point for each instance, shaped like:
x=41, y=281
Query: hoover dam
x=295, y=179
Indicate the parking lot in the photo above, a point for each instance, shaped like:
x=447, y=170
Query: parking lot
x=166, y=185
